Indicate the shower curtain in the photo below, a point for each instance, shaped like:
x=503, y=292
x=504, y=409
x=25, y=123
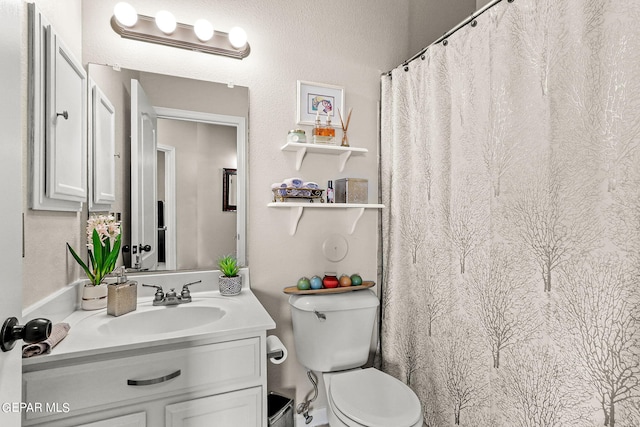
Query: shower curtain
x=510, y=172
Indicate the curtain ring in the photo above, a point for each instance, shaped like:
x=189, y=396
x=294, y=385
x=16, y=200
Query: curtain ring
x=445, y=42
x=474, y=23
x=406, y=67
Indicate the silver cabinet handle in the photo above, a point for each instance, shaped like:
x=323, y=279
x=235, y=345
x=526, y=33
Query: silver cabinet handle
x=155, y=380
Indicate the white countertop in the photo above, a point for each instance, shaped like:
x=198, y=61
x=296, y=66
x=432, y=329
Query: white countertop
x=243, y=314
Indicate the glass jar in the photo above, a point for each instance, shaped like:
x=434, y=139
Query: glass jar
x=297, y=135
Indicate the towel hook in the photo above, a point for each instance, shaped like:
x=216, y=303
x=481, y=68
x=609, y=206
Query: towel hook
x=64, y=114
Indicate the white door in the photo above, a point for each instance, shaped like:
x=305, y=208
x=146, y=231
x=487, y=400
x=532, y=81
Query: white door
x=11, y=196
x=144, y=219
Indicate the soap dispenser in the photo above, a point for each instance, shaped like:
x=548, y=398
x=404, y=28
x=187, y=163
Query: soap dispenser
x=122, y=296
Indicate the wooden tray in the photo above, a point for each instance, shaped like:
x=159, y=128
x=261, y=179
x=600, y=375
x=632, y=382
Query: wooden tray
x=340, y=289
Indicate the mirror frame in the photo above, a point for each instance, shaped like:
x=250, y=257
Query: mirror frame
x=226, y=178
x=240, y=123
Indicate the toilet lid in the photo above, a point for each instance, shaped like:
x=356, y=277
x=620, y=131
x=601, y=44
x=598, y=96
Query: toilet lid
x=375, y=399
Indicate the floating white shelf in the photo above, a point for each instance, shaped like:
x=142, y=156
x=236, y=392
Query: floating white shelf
x=353, y=210
x=302, y=148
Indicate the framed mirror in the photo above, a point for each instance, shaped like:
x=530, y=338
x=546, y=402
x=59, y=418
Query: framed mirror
x=201, y=130
x=229, y=189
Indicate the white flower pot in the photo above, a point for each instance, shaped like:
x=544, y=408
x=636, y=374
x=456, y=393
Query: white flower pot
x=94, y=297
x=230, y=285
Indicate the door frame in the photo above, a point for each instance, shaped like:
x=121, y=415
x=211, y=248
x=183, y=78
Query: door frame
x=169, y=154
x=12, y=110
x=240, y=123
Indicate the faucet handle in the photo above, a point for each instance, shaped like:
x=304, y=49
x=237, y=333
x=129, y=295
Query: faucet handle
x=186, y=293
x=159, y=296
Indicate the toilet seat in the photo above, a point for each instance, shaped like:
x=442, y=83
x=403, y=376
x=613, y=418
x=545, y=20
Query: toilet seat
x=368, y=397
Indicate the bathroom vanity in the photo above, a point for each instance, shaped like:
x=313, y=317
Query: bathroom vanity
x=204, y=362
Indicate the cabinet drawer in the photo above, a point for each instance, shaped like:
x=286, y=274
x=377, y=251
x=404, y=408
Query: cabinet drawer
x=104, y=384
x=237, y=408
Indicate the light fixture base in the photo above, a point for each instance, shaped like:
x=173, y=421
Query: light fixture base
x=183, y=37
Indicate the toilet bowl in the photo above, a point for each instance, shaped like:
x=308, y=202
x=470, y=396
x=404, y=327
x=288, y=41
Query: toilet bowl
x=368, y=397
x=332, y=335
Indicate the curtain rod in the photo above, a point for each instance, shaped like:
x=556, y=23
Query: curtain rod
x=469, y=20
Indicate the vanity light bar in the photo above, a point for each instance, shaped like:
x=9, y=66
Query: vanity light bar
x=184, y=37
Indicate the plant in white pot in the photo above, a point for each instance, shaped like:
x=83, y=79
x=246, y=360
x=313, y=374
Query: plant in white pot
x=230, y=282
x=104, y=239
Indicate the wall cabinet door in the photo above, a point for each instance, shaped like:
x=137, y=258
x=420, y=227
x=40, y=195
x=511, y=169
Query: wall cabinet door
x=57, y=120
x=237, y=408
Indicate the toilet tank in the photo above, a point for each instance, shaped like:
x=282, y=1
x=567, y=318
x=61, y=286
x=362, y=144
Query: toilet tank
x=333, y=332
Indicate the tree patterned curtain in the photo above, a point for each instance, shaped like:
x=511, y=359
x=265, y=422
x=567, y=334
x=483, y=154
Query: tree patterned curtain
x=510, y=171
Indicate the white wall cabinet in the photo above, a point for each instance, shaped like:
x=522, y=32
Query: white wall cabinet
x=222, y=383
x=57, y=120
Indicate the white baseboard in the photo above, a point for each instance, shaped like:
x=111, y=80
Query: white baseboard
x=319, y=418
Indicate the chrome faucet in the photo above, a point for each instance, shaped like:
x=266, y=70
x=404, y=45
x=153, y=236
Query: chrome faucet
x=171, y=297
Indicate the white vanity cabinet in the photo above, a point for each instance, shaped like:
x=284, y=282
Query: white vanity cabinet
x=219, y=383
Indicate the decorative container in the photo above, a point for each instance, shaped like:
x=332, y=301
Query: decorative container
x=297, y=135
x=230, y=285
x=94, y=297
x=352, y=190
x=281, y=194
x=122, y=298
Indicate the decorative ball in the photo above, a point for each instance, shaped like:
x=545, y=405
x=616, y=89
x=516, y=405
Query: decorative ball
x=316, y=282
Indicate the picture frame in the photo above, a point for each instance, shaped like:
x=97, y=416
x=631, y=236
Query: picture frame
x=229, y=190
x=312, y=96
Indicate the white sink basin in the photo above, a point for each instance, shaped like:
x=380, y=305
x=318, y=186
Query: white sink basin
x=161, y=320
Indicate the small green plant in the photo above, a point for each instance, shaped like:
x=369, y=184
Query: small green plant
x=229, y=266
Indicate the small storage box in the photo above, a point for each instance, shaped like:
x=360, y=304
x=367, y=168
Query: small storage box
x=352, y=190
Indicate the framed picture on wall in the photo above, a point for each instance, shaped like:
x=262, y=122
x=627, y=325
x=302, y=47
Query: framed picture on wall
x=318, y=98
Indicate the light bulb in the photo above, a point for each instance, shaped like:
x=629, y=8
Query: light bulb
x=125, y=14
x=203, y=30
x=166, y=22
x=237, y=37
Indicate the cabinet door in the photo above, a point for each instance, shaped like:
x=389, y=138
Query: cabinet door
x=57, y=145
x=234, y=409
x=138, y=419
x=66, y=126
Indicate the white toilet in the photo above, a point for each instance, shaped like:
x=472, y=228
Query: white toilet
x=332, y=334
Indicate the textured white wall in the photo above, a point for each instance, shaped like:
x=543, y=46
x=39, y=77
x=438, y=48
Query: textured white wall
x=481, y=3
x=47, y=264
x=429, y=19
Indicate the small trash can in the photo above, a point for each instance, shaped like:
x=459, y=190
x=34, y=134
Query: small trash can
x=279, y=410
